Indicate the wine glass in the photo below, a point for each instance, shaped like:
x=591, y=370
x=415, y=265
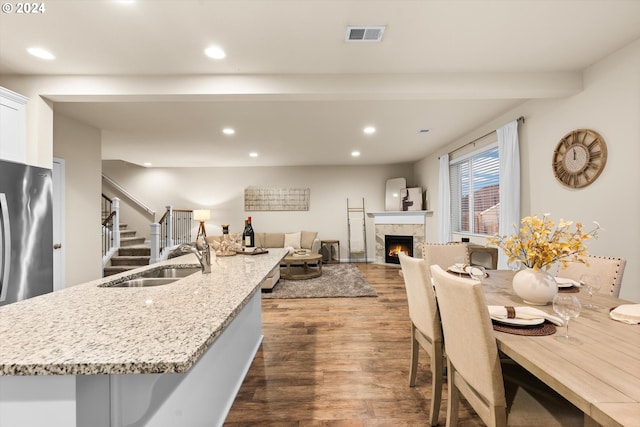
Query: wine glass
x=515, y=265
x=477, y=272
x=592, y=283
x=567, y=306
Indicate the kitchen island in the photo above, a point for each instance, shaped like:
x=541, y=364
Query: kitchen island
x=166, y=355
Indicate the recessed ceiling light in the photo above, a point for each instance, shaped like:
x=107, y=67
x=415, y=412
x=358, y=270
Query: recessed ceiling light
x=228, y=131
x=127, y=2
x=355, y=154
x=369, y=130
x=215, y=52
x=253, y=154
x=38, y=52
x=147, y=164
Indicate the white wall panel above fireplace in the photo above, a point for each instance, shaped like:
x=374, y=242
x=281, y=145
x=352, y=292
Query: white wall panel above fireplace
x=400, y=217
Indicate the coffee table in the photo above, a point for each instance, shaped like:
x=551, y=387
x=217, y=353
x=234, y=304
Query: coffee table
x=297, y=267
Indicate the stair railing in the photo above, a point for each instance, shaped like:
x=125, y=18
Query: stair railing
x=173, y=229
x=107, y=204
x=129, y=195
x=110, y=228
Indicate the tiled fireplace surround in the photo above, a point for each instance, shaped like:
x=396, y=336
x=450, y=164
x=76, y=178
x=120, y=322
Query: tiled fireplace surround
x=399, y=223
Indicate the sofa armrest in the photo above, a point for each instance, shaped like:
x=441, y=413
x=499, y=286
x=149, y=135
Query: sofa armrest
x=272, y=279
x=315, y=246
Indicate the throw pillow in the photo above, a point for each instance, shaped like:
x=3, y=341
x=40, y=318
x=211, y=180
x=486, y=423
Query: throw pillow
x=292, y=239
x=273, y=240
x=307, y=238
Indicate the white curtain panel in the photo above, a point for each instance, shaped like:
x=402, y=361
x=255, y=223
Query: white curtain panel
x=444, y=198
x=509, y=152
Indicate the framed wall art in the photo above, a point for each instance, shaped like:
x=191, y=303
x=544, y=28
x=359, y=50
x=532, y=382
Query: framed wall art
x=276, y=199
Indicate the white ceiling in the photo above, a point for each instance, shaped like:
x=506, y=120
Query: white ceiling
x=447, y=66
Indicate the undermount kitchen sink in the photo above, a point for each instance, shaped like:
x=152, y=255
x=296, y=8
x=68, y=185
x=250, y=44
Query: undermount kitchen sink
x=171, y=272
x=155, y=277
x=143, y=282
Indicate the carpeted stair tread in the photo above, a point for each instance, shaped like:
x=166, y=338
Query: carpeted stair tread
x=127, y=233
x=135, y=251
x=132, y=253
x=119, y=260
x=130, y=241
x=128, y=258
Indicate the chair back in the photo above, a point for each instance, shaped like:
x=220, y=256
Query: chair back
x=445, y=254
x=471, y=347
x=423, y=309
x=610, y=270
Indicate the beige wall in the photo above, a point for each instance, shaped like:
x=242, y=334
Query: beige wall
x=610, y=105
x=79, y=146
x=221, y=191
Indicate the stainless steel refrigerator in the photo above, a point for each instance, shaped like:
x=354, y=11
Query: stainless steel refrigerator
x=26, y=232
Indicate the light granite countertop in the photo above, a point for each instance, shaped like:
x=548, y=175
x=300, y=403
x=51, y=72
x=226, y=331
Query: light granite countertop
x=88, y=329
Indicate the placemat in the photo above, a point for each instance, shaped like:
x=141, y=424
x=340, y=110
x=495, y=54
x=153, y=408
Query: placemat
x=571, y=290
x=545, y=328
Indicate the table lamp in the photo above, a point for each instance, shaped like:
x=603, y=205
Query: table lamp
x=201, y=215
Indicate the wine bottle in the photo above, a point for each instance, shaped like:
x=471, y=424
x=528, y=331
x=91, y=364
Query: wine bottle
x=248, y=235
x=244, y=245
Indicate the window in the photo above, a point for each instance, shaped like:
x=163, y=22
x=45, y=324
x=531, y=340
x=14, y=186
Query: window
x=475, y=192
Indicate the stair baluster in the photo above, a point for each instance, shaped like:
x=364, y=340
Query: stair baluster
x=173, y=229
x=110, y=228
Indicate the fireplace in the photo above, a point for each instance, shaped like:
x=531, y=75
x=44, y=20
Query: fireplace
x=394, y=244
x=401, y=223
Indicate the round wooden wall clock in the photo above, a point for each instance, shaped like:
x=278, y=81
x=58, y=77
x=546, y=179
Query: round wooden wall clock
x=579, y=158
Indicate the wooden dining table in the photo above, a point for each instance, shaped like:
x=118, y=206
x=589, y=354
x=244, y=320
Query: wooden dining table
x=598, y=370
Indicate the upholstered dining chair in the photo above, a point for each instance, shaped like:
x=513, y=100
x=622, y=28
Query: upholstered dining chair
x=445, y=254
x=426, y=330
x=610, y=270
x=500, y=394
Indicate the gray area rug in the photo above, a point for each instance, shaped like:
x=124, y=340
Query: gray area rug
x=337, y=280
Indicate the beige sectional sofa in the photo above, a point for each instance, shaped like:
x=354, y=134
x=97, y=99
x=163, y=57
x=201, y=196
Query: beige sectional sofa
x=297, y=240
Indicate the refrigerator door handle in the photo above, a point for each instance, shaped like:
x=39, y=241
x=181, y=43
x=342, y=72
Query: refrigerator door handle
x=5, y=247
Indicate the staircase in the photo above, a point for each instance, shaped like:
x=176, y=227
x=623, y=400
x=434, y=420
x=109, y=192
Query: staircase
x=133, y=253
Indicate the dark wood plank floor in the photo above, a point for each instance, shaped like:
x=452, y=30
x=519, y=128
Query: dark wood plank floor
x=339, y=362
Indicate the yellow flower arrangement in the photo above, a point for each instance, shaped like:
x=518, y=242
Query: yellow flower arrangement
x=539, y=242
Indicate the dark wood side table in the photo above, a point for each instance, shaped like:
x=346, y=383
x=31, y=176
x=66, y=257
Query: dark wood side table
x=330, y=250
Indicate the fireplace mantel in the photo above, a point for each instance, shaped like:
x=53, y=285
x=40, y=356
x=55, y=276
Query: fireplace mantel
x=400, y=217
x=399, y=223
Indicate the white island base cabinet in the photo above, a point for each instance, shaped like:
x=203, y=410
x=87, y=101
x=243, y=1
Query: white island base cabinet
x=200, y=397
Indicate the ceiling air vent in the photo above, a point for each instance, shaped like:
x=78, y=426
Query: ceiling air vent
x=364, y=34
